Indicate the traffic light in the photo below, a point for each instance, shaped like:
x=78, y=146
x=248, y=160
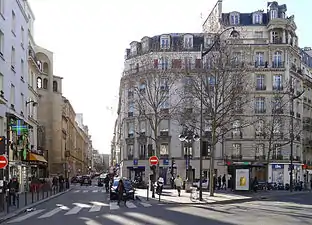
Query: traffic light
x=2, y=145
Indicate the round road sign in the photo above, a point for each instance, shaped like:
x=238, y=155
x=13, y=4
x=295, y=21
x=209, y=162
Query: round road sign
x=3, y=161
x=153, y=160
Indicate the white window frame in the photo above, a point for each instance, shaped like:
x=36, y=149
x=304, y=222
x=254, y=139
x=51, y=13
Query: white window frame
x=164, y=42
x=12, y=95
x=188, y=41
x=237, y=149
x=164, y=63
x=260, y=103
x=234, y=19
x=257, y=18
x=22, y=36
x=13, y=57
x=142, y=126
x=164, y=149
x=131, y=128
x=22, y=68
x=13, y=22
x=273, y=14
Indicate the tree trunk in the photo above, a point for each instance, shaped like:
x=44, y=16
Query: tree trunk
x=213, y=147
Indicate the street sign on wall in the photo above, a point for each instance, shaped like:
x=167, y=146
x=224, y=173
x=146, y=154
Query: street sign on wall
x=3, y=161
x=153, y=160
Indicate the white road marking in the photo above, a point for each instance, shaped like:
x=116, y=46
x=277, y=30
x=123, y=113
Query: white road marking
x=51, y=213
x=103, y=191
x=97, y=206
x=95, y=190
x=151, y=219
x=113, y=206
x=85, y=191
x=130, y=205
x=145, y=204
x=26, y=216
x=76, y=191
x=74, y=210
x=121, y=220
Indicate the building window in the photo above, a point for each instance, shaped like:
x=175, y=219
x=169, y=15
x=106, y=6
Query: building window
x=23, y=103
x=12, y=95
x=188, y=63
x=259, y=127
x=142, y=151
x=1, y=82
x=22, y=69
x=188, y=41
x=164, y=150
x=130, y=129
x=45, y=83
x=259, y=59
x=142, y=126
x=54, y=86
x=260, y=105
x=2, y=7
x=164, y=62
x=234, y=19
x=13, y=58
x=39, y=82
x=133, y=49
x=277, y=82
x=164, y=104
x=277, y=127
x=165, y=42
x=273, y=14
x=236, y=127
x=277, y=150
x=236, y=149
x=260, y=83
x=208, y=41
x=130, y=108
x=13, y=25
x=257, y=18
x=164, y=126
x=130, y=151
x=22, y=36
x=145, y=45
x=1, y=43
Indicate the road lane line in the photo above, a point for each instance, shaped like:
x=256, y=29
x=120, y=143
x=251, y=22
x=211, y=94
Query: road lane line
x=113, y=206
x=51, y=213
x=130, y=205
x=73, y=211
x=85, y=191
x=95, y=190
x=76, y=191
x=26, y=216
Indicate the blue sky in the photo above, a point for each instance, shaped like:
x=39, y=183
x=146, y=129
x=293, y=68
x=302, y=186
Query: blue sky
x=89, y=39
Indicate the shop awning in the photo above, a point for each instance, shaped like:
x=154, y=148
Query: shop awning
x=38, y=158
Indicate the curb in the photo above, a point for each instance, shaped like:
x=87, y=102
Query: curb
x=22, y=210
x=230, y=201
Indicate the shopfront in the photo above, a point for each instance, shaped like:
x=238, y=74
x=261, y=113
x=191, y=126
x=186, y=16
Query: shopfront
x=280, y=173
x=38, y=165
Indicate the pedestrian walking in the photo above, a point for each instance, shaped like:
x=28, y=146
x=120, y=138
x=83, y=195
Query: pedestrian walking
x=178, y=183
x=13, y=187
x=121, y=190
x=223, y=182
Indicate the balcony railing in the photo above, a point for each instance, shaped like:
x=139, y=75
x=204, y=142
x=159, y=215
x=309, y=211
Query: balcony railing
x=237, y=157
x=260, y=111
x=278, y=64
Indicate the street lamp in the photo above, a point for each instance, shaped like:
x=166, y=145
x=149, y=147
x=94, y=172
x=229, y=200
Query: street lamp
x=234, y=33
x=188, y=137
x=292, y=137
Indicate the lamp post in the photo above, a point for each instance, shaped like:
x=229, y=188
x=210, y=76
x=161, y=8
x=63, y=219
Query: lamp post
x=188, y=137
x=234, y=33
x=292, y=137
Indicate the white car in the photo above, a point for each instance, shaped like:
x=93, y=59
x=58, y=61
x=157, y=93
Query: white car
x=204, y=184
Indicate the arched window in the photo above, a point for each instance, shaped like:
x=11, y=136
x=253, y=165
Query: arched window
x=45, y=83
x=45, y=67
x=54, y=86
x=39, y=82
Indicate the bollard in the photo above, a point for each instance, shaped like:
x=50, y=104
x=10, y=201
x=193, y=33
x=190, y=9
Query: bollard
x=42, y=193
x=47, y=195
x=25, y=195
x=32, y=195
x=51, y=189
x=37, y=191
x=7, y=194
x=147, y=191
x=17, y=200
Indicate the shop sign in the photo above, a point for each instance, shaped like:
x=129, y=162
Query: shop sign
x=277, y=166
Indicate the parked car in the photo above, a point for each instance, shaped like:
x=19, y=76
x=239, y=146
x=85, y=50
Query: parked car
x=75, y=179
x=85, y=180
x=128, y=187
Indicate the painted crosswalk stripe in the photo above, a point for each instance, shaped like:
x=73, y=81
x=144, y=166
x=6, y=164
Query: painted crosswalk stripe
x=51, y=213
x=28, y=215
x=121, y=220
x=95, y=190
x=145, y=204
x=85, y=191
x=95, y=208
x=130, y=205
x=76, y=191
x=113, y=206
x=74, y=210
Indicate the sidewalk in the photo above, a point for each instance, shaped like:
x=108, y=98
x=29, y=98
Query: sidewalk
x=225, y=197
x=28, y=200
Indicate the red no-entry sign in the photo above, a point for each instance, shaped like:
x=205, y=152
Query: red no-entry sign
x=3, y=161
x=153, y=160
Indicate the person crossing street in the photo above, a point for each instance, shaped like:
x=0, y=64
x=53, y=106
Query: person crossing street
x=178, y=183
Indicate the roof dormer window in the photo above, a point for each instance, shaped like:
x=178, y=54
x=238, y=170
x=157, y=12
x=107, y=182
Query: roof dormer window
x=234, y=18
x=273, y=14
x=188, y=41
x=133, y=48
x=257, y=18
x=145, y=44
x=165, y=42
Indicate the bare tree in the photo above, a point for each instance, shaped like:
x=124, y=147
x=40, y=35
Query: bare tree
x=222, y=85
x=156, y=98
x=278, y=126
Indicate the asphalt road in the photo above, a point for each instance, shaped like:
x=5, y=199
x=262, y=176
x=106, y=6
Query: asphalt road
x=91, y=206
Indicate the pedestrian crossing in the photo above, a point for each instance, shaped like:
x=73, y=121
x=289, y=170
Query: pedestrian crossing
x=80, y=208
